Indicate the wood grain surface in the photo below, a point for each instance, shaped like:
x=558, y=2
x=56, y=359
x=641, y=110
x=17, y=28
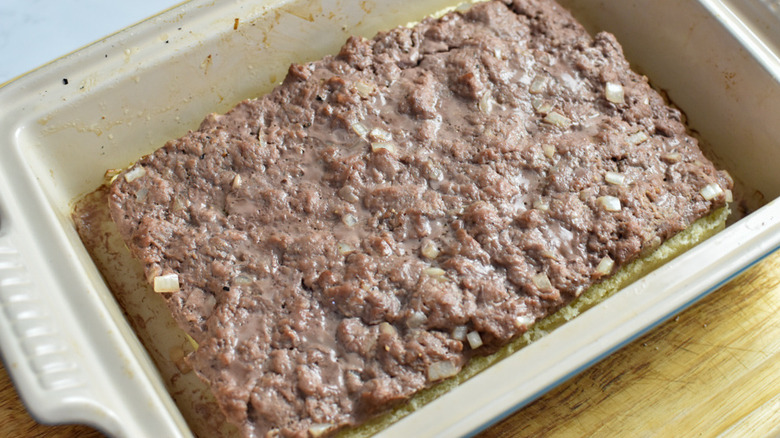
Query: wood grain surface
x=714, y=370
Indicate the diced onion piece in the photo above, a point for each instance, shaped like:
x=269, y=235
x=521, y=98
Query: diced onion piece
x=475, y=340
x=637, y=137
x=434, y=272
x=711, y=191
x=317, y=430
x=729, y=196
x=541, y=106
x=672, y=157
x=416, y=319
x=441, y=370
x=430, y=250
x=524, y=320
x=236, y=181
x=542, y=282
x=166, y=283
x=609, y=203
x=485, y=103
x=380, y=135
x=378, y=146
x=537, y=85
x=605, y=266
x=344, y=248
x=111, y=174
x=615, y=178
x=614, y=93
x=349, y=220
x=557, y=119
x=548, y=150
x=135, y=173
x=243, y=279
x=541, y=205
x=348, y=194
x=364, y=89
x=387, y=329
x=459, y=333
x=434, y=171
x=179, y=203
x=360, y=129
x=141, y=194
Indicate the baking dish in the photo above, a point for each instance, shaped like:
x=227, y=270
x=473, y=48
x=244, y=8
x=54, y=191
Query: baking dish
x=63, y=337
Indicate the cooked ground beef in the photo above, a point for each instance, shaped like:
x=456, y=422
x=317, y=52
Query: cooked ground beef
x=421, y=197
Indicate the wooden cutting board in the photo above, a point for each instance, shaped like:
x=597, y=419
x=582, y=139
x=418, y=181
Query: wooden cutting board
x=714, y=370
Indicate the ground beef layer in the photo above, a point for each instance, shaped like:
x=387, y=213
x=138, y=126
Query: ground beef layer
x=386, y=213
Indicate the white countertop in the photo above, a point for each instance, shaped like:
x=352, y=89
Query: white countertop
x=34, y=32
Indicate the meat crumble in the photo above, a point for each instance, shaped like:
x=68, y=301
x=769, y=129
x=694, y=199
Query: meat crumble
x=386, y=213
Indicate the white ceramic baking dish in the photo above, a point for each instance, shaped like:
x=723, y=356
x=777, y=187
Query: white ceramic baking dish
x=63, y=337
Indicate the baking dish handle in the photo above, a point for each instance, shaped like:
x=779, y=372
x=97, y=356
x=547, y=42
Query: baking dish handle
x=71, y=358
x=43, y=364
x=68, y=364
